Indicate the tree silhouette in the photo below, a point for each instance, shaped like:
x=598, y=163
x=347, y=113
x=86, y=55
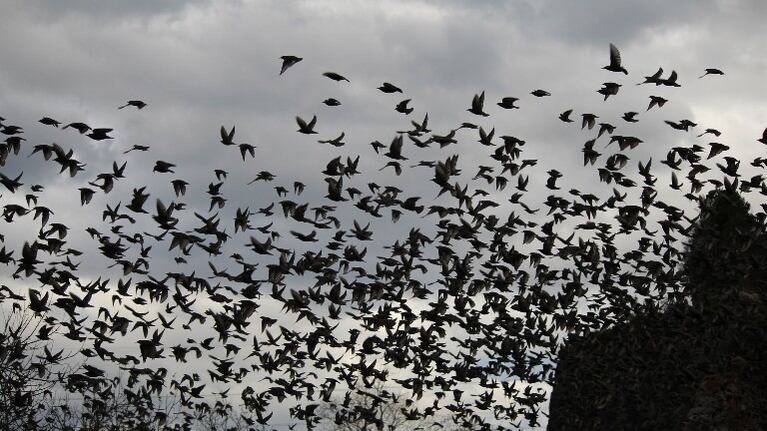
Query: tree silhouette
x=682, y=366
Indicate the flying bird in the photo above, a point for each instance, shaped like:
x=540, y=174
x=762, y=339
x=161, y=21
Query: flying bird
x=138, y=104
x=306, y=128
x=402, y=107
x=227, y=138
x=389, y=88
x=508, y=103
x=288, y=61
x=615, y=61
x=654, y=78
x=670, y=81
x=336, y=142
x=711, y=71
x=163, y=167
x=588, y=120
x=656, y=101
x=80, y=127
x=49, y=122
x=477, y=104
x=609, y=89
x=99, y=134
x=335, y=77
x=714, y=132
x=137, y=147
x=630, y=116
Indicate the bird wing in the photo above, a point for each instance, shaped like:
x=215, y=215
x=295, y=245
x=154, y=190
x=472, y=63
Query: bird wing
x=615, y=56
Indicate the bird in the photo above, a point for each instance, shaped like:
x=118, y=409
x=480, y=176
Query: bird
x=335, y=77
x=389, y=88
x=477, y=105
x=138, y=104
x=540, y=93
x=681, y=125
x=137, y=147
x=246, y=148
x=100, y=134
x=86, y=194
x=227, y=138
x=288, y=61
x=630, y=116
x=179, y=187
x=80, y=127
x=49, y=122
x=508, y=103
x=486, y=138
x=306, y=128
x=609, y=89
x=670, y=81
x=377, y=146
x=588, y=120
x=163, y=167
x=403, y=108
x=336, y=142
x=656, y=101
x=714, y=132
x=331, y=102
x=654, y=78
x=763, y=139
x=395, y=149
x=589, y=154
x=565, y=116
x=615, y=61
x=711, y=71
x=716, y=149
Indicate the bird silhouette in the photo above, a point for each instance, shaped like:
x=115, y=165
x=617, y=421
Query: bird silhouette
x=99, y=134
x=508, y=103
x=477, y=105
x=306, y=128
x=609, y=89
x=227, y=138
x=389, y=88
x=334, y=76
x=711, y=71
x=403, y=108
x=138, y=104
x=80, y=127
x=49, y=122
x=615, y=61
x=288, y=61
x=656, y=101
x=654, y=78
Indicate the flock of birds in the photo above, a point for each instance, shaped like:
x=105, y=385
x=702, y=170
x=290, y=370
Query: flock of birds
x=468, y=307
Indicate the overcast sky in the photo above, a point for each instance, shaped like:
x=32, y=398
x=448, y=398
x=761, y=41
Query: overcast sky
x=203, y=64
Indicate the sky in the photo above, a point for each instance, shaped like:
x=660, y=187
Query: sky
x=203, y=64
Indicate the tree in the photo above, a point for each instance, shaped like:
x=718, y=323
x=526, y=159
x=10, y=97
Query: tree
x=26, y=369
